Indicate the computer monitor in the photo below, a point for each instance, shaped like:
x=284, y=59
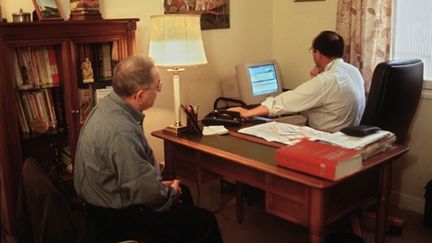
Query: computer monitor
x=258, y=80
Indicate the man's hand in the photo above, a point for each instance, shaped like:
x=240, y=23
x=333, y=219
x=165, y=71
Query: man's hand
x=243, y=112
x=257, y=111
x=315, y=71
x=174, y=184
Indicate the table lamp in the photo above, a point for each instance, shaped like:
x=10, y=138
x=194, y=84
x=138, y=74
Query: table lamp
x=175, y=43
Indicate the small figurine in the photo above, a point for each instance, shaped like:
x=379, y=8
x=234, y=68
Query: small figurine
x=87, y=71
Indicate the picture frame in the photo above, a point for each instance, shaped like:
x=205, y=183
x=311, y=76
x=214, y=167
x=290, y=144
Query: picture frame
x=47, y=10
x=215, y=14
x=84, y=10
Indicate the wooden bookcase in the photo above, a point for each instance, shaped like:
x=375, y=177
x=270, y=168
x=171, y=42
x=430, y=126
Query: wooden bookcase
x=53, y=119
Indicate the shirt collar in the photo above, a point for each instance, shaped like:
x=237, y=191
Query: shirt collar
x=136, y=114
x=330, y=64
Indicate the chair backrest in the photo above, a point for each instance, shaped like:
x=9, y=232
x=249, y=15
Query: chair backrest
x=45, y=212
x=394, y=96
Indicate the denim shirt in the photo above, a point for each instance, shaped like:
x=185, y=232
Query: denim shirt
x=114, y=164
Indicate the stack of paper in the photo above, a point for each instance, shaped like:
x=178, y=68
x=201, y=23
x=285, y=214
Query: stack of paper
x=282, y=132
x=368, y=146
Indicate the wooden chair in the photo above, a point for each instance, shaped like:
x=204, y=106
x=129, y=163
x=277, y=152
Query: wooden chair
x=48, y=214
x=45, y=213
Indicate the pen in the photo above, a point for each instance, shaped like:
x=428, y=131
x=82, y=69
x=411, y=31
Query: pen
x=195, y=108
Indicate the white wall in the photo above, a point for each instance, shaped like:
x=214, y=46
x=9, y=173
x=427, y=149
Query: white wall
x=281, y=29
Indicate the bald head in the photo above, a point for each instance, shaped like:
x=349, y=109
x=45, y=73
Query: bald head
x=132, y=74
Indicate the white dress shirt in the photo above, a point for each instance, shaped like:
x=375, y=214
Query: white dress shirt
x=332, y=100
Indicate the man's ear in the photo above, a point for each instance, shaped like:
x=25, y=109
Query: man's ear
x=139, y=94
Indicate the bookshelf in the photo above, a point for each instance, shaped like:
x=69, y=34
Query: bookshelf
x=44, y=96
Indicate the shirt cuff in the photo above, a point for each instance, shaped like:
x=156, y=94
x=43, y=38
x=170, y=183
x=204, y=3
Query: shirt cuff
x=268, y=102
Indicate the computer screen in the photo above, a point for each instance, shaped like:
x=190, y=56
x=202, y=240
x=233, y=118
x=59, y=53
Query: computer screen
x=258, y=80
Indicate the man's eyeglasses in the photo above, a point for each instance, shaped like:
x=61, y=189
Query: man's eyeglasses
x=158, y=88
x=312, y=50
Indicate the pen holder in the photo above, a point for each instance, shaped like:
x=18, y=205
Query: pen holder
x=193, y=124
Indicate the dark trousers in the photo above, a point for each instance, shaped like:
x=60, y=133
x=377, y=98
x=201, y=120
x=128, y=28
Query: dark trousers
x=182, y=223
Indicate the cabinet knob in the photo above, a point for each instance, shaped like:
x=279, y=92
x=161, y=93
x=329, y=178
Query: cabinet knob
x=75, y=112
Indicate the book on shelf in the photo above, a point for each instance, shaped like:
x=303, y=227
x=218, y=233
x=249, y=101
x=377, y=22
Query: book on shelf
x=319, y=159
x=17, y=71
x=86, y=103
x=106, y=66
x=52, y=60
x=101, y=93
x=28, y=57
x=39, y=64
x=27, y=110
x=66, y=158
x=47, y=65
x=35, y=66
x=41, y=105
x=35, y=107
x=114, y=55
x=22, y=120
x=44, y=100
x=57, y=98
x=51, y=111
x=25, y=67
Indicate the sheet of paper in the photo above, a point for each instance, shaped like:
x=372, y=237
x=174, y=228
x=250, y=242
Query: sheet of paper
x=282, y=132
x=214, y=130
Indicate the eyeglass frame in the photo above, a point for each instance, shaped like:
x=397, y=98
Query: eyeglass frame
x=158, y=87
x=312, y=50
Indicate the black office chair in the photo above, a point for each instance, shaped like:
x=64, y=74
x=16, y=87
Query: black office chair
x=394, y=95
x=391, y=105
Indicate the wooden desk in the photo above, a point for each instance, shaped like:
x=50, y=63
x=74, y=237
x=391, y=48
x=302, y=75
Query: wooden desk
x=297, y=197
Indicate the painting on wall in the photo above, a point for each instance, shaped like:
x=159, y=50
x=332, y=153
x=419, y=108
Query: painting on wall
x=214, y=13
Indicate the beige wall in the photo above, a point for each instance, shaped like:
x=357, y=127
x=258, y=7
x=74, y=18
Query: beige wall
x=259, y=29
x=296, y=24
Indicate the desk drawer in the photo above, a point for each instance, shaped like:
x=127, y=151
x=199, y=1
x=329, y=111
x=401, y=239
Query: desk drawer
x=287, y=199
x=286, y=208
x=187, y=164
x=234, y=171
x=186, y=169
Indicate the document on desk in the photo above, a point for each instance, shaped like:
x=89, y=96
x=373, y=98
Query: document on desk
x=282, y=132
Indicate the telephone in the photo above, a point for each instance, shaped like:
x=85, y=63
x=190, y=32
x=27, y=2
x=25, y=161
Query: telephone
x=222, y=117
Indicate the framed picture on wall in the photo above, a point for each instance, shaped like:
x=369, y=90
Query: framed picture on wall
x=47, y=10
x=215, y=14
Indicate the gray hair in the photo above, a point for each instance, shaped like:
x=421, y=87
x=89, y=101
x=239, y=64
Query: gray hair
x=131, y=74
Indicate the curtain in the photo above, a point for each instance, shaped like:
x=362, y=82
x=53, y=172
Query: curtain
x=365, y=26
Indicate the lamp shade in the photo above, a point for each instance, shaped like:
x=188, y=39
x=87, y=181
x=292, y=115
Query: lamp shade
x=175, y=40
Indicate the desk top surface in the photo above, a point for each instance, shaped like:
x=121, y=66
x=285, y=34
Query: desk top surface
x=262, y=156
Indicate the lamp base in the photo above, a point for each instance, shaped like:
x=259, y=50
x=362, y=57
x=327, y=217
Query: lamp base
x=176, y=130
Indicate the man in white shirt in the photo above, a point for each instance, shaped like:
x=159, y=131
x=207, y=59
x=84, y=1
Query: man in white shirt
x=332, y=99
